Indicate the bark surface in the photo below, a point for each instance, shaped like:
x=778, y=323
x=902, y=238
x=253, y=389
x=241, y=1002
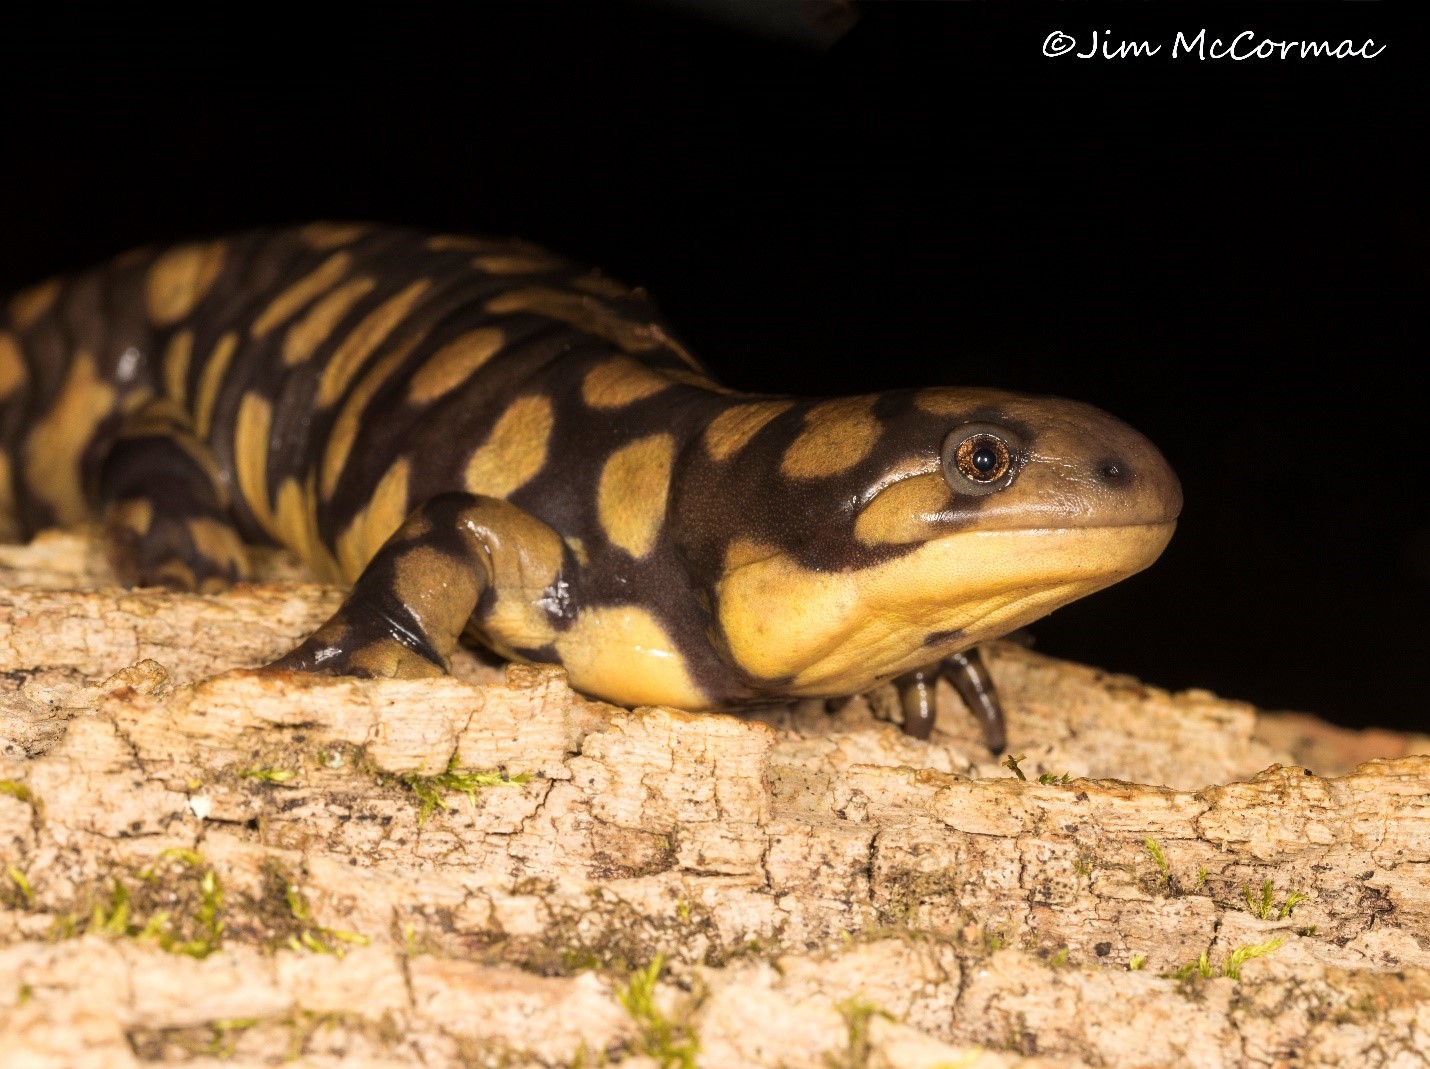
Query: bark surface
x=213, y=866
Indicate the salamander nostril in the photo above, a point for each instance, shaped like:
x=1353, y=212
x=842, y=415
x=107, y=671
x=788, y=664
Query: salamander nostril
x=1113, y=471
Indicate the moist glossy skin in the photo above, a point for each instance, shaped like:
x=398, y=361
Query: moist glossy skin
x=483, y=439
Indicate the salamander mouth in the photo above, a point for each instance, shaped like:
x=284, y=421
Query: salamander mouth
x=831, y=632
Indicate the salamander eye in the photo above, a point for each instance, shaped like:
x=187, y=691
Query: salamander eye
x=979, y=458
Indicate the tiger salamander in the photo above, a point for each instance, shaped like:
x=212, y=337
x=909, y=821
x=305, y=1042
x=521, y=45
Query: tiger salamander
x=483, y=440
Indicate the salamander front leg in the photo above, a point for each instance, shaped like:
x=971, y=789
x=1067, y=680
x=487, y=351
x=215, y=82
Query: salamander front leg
x=969, y=676
x=412, y=602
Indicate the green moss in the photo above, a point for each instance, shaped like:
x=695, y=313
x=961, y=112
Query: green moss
x=857, y=1014
x=23, y=889
x=15, y=789
x=269, y=775
x=1231, y=967
x=429, y=789
x=314, y=937
x=1137, y=963
x=1011, y=763
x=1059, y=959
x=1201, y=967
x=224, y=1032
x=1049, y=779
x=1154, y=848
x=994, y=939
x=671, y=1044
x=1241, y=955
x=194, y=927
x=578, y=960
x=1264, y=906
x=189, y=857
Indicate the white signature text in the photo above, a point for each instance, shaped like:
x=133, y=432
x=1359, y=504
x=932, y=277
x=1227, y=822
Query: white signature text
x=1246, y=45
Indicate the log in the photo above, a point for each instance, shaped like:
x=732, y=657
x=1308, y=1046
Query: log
x=209, y=865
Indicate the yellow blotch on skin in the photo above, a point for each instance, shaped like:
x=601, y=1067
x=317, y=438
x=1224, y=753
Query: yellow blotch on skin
x=631, y=497
x=375, y=524
x=12, y=365
x=57, y=442
x=176, y=366
x=219, y=543
x=211, y=381
x=295, y=518
x=904, y=511
x=837, y=435
x=515, y=263
x=588, y=314
x=135, y=514
x=9, y=522
x=291, y=518
x=953, y=401
x=454, y=363
x=29, y=304
x=180, y=279
x=732, y=429
x=250, y=457
x=743, y=551
x=346, y=426
x=309, y=332
x=135, y=400
x=298, y=296
x=578, y=550
x=622, y=653
x=347, y=360
x=177, y=574
x=322, y=236
x=457, y=243
x=620, y=382
x=160, y=416
x=514, y=452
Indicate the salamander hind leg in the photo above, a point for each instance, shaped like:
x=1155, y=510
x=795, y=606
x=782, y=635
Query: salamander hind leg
x=165, y=509
x=969, y=676
x=457, y=559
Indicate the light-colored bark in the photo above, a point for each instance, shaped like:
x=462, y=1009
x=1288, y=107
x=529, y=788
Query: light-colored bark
x=820, y=890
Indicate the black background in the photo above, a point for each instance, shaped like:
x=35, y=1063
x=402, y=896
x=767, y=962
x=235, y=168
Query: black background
x=1230, y=256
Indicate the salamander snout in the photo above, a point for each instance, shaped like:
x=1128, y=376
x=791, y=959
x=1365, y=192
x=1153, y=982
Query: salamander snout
x=1136, y=477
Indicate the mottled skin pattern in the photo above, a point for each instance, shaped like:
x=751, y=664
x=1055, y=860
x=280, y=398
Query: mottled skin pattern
x=485, y=440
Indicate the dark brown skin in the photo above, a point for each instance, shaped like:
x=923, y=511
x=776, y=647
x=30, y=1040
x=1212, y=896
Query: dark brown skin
x=488, y=442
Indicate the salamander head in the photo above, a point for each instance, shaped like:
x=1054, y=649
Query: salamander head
x=843, y=542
